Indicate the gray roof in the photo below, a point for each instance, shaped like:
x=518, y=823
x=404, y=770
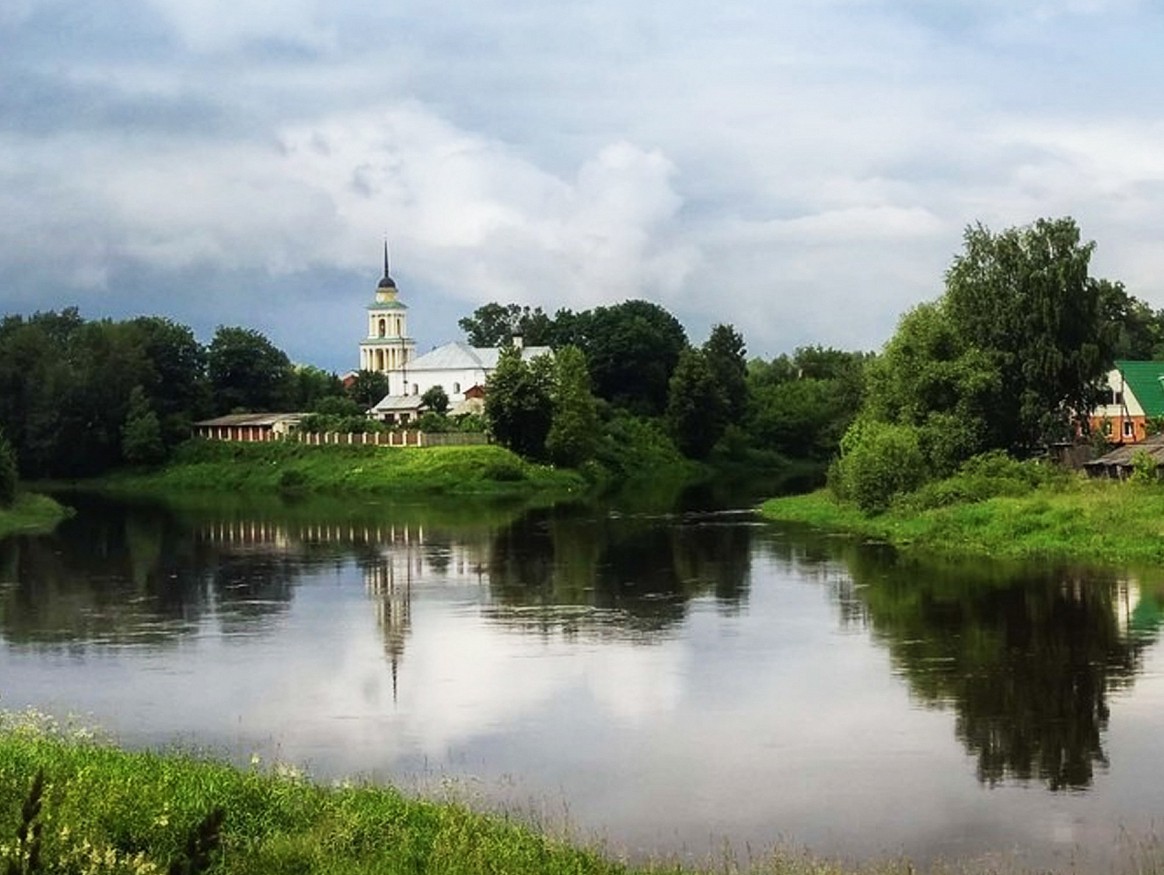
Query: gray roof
x=458, y=356
x=1121, y=457
x=259, y=419
x=395, y=403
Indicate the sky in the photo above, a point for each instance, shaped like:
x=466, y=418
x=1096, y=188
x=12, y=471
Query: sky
x=801, y=169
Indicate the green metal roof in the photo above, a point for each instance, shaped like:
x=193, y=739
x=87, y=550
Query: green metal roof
x=387, y=305
x=1146, y=380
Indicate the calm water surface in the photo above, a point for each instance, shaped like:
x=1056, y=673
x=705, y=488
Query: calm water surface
x=666, y=682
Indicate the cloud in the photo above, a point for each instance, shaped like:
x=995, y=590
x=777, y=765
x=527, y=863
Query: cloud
x=802, y=170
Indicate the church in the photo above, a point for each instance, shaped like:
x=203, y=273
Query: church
x=461, y=370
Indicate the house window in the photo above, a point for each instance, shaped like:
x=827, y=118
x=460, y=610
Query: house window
x=383, y=327
x=456, y=388
x=1107, y=427
x=1129, y=428
x=415, y=389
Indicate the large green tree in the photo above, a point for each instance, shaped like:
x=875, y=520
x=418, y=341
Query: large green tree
x=177, y=386
x=631, y=348
x=727, y=357
x=696, y=406
x=247, y=371
x=368, y=387
x=495, y=324
x=931, y=377
x=573, y=433
x=1025, y=298
x=518, y=402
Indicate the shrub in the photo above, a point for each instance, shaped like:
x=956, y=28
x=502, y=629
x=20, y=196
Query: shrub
x=1143, y=467
x=881, y=461
x=985, y=476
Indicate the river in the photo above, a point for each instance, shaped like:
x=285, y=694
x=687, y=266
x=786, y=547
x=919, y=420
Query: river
x=668, y=683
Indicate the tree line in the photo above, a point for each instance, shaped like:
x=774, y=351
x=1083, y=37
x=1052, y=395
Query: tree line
x=79, y=397
x=1010, y=359
x=625, y=376
x=1005, y=359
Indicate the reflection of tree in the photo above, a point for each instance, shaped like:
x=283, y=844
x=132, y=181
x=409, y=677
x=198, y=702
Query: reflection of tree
x=1025, y=655
x=113, y=573
x=572, y=570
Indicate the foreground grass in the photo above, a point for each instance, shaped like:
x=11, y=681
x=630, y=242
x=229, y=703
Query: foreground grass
x=1085, y=520
x=293, y=467
x=30, y=514
x=106, y=810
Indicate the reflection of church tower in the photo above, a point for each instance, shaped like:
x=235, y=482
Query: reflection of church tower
x=387, y=346
x=393, y=609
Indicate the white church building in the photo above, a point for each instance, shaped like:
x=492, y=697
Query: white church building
x=461, y=370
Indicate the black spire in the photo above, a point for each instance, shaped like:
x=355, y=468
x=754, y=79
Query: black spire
x=387, y=282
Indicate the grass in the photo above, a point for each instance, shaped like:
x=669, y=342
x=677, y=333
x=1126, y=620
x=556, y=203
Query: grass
x=73, y=804
x=298, y=468
x=30, y=514
x=88, y=807
x=1096, y=521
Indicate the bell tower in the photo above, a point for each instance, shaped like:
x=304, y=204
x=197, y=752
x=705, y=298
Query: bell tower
x=387, y=346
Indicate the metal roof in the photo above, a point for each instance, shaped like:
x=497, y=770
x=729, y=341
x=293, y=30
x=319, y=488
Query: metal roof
x=1146, y=380
x=1121, y=457
x=390, y=403
x=458, y=356
x=253, y=419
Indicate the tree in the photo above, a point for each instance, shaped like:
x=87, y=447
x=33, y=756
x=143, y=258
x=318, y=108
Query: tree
x=878, y=462
x=368, y=387
x=436, y=400
x=247, y=371
x=141, y=435
x=495, y=325
x=518, y=405
x=929, y=377
x=312, y=384
x=8, y=472
x=726, y=356
x=103, y=362
x=696, y=406
x=1025, y=298
x=632, y=349
x=1138, y=329
x=573, y=432
x=177, y=387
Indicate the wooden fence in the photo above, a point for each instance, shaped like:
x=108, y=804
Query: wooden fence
x=391, y=438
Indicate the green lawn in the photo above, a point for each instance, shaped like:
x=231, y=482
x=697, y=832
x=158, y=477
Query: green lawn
x=294, y=467
x=1090, y=521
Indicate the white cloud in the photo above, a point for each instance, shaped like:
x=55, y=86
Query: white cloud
x=802, y=170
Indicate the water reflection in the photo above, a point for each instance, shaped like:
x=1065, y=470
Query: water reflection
x=663, y=671
x=1028, y=656
x=635, y=576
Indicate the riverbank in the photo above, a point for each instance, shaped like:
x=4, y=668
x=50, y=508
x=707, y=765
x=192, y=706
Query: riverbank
x=290, y=467
x=31, y=514
x=107, y=810
x=1089, y=521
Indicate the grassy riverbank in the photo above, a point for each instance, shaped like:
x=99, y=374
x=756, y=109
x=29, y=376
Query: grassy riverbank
x=293, y=467
x=1071, y=518
x=105, y=810
x=30, y=514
